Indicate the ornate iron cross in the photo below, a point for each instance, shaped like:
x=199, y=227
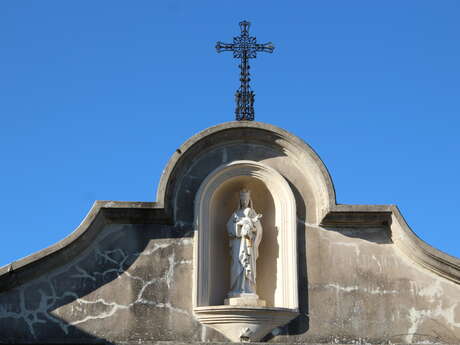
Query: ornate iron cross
x=244, y=47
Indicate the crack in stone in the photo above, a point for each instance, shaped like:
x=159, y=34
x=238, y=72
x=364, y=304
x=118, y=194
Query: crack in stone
x=376, y=291
x=118, y=257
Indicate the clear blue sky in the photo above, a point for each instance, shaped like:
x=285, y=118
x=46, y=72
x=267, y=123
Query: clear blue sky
x=96, y=95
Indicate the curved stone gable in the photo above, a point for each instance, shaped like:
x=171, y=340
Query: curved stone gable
x=125, y=274
x=257, y=141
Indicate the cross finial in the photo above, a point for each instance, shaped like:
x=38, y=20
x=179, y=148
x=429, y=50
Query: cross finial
x=244, y=25
x=244, y=47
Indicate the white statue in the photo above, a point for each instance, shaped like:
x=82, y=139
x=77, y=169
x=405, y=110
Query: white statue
x=245, y=233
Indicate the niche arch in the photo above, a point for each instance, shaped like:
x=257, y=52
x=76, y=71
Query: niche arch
x=215, y=200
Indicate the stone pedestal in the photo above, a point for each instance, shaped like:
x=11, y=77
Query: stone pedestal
x=243, y=323
x=249, y=300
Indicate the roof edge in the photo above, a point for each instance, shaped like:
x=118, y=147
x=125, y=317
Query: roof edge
x=101, y=213
x=404, y=238
x=187, y=145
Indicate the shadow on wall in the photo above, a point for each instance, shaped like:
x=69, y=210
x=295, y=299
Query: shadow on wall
x=62, y=304
x=377, y=235
x=209, y=159
x=300, y=324
x=225, y=201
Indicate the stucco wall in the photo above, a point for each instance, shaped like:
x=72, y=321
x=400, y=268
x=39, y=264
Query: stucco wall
x=126, y=274
x=360, y=286
x=134, y=284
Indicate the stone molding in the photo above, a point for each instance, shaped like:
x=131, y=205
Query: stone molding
x=102, y=213
x=233, y=131
x=107, y=212
x=252, y=322
x=402, y=235
x=285, y=221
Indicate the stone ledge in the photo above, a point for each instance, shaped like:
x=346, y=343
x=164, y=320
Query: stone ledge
x=402, y=235
x=102, y=213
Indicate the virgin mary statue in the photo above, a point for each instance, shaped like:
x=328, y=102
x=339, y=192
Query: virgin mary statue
x=245, y=233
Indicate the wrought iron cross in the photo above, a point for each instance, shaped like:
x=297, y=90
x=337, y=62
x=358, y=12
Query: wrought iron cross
x=244, y=47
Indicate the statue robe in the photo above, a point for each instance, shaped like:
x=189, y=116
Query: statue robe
x=243, y=254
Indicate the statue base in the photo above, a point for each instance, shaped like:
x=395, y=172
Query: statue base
x=245, y=299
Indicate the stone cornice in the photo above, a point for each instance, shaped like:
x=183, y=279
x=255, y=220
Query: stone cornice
x=234, y=131
x=101, y=213
x=117, y=212
x=402, y=235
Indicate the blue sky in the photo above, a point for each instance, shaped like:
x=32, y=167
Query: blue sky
x=95, y=96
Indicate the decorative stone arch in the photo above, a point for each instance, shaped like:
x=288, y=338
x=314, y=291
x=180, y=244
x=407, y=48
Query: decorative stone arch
x=295, y=160
x=213, y=206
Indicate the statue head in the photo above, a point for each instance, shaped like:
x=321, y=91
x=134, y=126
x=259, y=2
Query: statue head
x=245, y=199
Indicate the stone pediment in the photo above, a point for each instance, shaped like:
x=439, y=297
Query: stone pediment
x=126, y=274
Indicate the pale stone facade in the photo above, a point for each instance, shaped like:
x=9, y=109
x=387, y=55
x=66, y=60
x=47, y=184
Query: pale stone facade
x=159, y=271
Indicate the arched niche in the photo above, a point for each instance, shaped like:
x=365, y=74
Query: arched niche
x=215, y=201
x=245, y=140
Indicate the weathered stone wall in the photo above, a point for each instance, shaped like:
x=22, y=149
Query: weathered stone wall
x=126, y=274
x=361, y=287
x=133, y=284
